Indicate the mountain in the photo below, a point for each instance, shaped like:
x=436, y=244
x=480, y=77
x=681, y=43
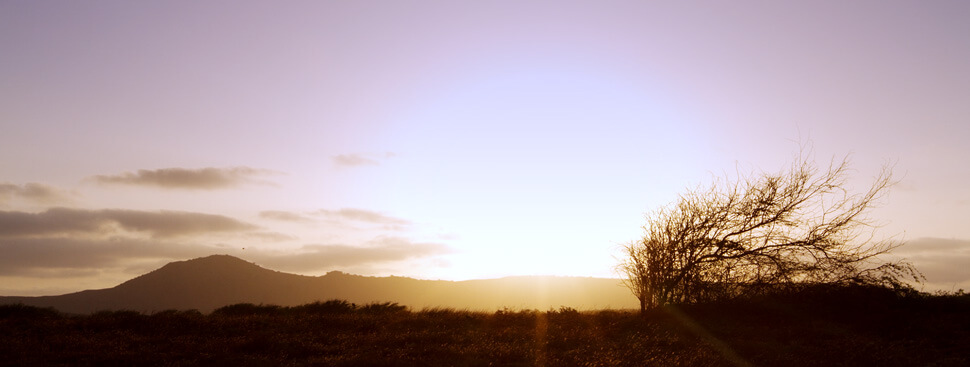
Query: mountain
x=211, y=282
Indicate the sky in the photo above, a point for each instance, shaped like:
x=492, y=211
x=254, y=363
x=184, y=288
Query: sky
x=454, y=139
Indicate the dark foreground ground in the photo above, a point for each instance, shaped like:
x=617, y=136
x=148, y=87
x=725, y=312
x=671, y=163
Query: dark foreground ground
x=832, y=328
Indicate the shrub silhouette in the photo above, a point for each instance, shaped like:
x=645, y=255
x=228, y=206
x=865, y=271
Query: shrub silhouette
x=762, y=234
x=246, y=309
x=22, y=311
x=330, y=307
x=822, y=325
x=386, y=308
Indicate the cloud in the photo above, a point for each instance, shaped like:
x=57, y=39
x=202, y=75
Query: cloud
x=183, y=178
x=357, y=160
x=33, y=191
x=271, y=236
x=353, y=160
x=341, y=217
x=379, y=250
x=284, y=216
x=361, y=215
x=66, y=257
x=941, y=260
x=65, y=243
x=160, y=224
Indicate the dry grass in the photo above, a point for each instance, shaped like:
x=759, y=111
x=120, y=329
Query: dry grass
x=836, y=327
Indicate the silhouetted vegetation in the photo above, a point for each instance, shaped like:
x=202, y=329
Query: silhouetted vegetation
x=811, y=326
x=766, y=233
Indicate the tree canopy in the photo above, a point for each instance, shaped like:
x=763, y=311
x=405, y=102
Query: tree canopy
x=763, y=232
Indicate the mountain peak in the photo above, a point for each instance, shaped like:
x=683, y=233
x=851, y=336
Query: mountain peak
x=213, y=260
x=218, y=268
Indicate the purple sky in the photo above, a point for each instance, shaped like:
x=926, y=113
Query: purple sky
x=453, y=139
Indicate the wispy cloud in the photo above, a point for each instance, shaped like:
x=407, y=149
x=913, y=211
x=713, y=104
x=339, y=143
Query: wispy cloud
x=361, y=215
x=33, y=191
x=356, y=159
x=346, y=217
x=284, y=216
x=379, y=250
x=160, y=224
x=65, y=257
x=66, y=242
x=267, y=236
x=941, y=260
x=185, y=178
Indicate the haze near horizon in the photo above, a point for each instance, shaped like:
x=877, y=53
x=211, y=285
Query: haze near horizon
x=444, y=140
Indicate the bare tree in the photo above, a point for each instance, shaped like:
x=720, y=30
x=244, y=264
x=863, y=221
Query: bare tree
x=761, y=233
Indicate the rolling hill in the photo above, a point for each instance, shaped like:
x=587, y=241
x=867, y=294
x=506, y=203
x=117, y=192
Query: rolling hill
x=211, y=282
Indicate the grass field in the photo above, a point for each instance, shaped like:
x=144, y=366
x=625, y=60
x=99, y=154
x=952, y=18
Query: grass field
x=847, y=327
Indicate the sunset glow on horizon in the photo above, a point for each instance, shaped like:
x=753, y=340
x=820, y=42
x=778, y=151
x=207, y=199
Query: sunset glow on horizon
x=453, y=140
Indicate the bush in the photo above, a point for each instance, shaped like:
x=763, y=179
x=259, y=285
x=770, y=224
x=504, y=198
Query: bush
x=385, y=308
x=761, y=233
x=22, y=311
x=247, y=309
x=331, y=307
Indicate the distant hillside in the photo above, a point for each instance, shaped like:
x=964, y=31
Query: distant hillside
x=214, y=281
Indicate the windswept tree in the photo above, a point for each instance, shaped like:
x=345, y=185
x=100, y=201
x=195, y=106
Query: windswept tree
x=761, y=233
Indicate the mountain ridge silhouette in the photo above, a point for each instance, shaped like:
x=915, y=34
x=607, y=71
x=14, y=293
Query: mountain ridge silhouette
x=214, y=281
